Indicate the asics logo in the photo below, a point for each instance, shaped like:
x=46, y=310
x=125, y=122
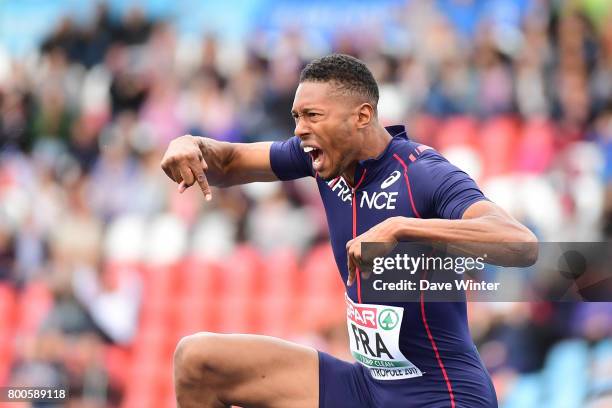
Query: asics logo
x=390, y=180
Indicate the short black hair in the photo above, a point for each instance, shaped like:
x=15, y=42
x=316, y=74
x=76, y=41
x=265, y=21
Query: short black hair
x=348, y=73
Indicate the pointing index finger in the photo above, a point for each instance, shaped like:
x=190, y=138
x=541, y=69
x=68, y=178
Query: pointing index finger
x=200, y=177
x=204, y=186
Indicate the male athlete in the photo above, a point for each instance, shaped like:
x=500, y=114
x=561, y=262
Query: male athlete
x=377, y=186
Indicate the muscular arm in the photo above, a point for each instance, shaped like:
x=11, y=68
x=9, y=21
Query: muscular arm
x=236, y=163
x=484, y=228
x=190, y=159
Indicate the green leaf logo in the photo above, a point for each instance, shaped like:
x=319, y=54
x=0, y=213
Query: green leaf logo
x=388, y=319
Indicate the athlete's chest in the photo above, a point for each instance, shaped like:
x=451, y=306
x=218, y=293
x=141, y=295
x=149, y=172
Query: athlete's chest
x=385, y=192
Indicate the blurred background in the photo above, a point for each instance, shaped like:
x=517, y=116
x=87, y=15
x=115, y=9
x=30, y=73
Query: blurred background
x=104, y=266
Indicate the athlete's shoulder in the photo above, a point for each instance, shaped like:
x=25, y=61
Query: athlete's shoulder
x=289, y=161
x=440, y=189
x=417, y=155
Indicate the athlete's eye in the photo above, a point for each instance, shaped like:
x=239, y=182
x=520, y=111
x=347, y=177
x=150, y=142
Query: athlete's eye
x=310, y=115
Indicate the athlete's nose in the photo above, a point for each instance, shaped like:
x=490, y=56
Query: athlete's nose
x=301, y=129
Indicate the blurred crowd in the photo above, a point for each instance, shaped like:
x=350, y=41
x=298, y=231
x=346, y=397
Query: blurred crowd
x=526, y=109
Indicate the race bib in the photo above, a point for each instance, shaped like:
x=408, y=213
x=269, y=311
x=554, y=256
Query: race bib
x=374, y=332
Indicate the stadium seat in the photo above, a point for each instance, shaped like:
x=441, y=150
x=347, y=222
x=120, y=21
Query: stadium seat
x=527, y=392
x=320, y=291
x=35, y=301
x=150, y=339
x=125, y=238
x=194, y=313
x=139, y=395
x=601, y=372
x=274, y=300
x=319, y=274
x=166, y=240
x=565, y=371
x=236, y=314
x=161, y=280
x=115, y=270
x=150, y=373
x=274, y=315
x=423, y=129
x=155, y=312
x=8, y=319
x=466, y=158
x=497, y=141
x=6, y=351
x=213, y=236
x=116, y=359
x=456, y=131
x=531, y=191
x=200, y=277
x=279, y=273
x=603, y=349
x=241, y=272
x=535, y=148
x=8, y=309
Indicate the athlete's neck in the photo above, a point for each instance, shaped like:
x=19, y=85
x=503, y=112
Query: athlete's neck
x=372, y=143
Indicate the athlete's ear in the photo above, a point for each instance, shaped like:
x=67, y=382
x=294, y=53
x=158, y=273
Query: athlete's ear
x=365, y=115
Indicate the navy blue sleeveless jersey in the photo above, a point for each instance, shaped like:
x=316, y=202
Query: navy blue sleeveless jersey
x=411, y=180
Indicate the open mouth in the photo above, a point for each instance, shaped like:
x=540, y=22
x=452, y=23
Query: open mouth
x=316, y=155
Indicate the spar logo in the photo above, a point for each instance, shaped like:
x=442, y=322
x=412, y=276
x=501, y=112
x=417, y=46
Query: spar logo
x=388, y=319
x=362, y=315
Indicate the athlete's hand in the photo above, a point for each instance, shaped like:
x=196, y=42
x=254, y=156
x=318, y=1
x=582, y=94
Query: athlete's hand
x=183, y=162
x=384, y=233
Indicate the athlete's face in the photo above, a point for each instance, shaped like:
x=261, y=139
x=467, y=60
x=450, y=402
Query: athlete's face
x=327, y=124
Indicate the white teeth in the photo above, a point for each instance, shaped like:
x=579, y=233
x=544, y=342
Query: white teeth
x=308, y=149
